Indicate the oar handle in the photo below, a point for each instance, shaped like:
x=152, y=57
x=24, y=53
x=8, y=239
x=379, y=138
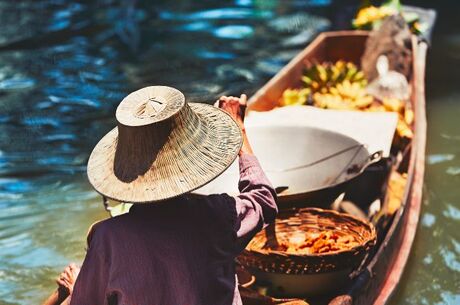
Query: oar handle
x=270, y=234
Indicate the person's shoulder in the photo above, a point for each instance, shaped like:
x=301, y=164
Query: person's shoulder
x=211, y=205
x=106, y=227
x=197, y=198
x=218, y=209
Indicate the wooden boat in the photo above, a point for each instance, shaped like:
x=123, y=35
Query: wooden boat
x=378, y=280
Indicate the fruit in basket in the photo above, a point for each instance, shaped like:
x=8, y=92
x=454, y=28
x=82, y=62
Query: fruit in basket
x=321, y=77
x=292, y=97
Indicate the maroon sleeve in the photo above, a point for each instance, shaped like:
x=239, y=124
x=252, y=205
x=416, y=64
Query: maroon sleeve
x=232, y=221
x=256, y=204
x=91, y=284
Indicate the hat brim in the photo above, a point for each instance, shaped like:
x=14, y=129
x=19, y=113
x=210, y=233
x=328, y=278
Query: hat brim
x=190, y=158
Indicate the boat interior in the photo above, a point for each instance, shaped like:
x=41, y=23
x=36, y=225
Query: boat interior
x=380, y=194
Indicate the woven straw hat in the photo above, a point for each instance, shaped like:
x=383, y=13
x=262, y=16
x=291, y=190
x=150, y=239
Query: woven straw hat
x=162, y=147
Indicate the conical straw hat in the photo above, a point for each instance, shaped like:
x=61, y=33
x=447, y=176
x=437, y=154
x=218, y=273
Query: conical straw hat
x=162, y=147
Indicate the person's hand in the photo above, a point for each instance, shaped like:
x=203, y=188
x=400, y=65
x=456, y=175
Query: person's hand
x=234, y=106
x=67, y=278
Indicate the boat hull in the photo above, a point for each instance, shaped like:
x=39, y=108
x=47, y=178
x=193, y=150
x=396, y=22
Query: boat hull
x=379, y=279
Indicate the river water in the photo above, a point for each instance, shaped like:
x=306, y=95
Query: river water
x=65, y=66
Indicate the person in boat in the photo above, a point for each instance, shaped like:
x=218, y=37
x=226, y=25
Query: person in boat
x=176, y=247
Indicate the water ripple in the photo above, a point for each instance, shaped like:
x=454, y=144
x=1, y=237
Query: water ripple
x=15, y=185
x=194, y=26
x=205, y=54
x=452, y=212
x=41, y=121
x=449, y=298
x=16, y=84
x=298, y=22
x=428, y=220
x=74, y=101
x=233, y=31
x=217, y=14
x=439, y=158
x=450, y=259
x=453, y=170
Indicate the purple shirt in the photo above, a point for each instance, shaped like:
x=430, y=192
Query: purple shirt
x=178, y=253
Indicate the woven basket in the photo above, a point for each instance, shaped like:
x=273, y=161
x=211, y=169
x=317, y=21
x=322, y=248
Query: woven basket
x=257, y=256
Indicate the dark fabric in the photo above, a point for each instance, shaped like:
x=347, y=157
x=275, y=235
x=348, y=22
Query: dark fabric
x=180, y=252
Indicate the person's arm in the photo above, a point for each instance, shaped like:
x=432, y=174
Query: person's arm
x=236, y=108
x=65, y=282
x=91, y=284
x=256, y=204
x=57, y=297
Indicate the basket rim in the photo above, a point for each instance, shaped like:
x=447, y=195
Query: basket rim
x=369, y=242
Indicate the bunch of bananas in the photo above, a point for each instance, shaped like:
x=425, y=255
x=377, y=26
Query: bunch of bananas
x=352, y=96
x=342, y=86
x=293, y=97
x=404, y=111
x=371, y=17
x=406, y=116
x=321, y=77
x=344, y=96
x=367, y=16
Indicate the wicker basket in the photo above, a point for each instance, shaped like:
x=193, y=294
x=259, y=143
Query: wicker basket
x=258, y=256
